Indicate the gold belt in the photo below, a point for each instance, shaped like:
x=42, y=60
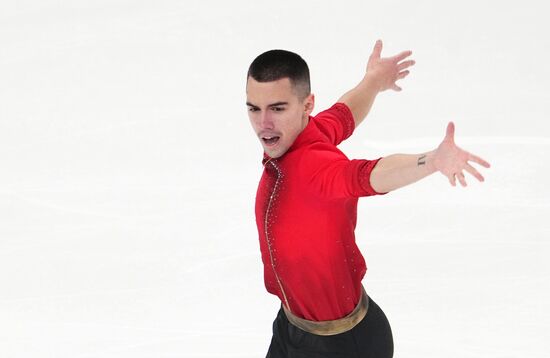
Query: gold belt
x=337, y=326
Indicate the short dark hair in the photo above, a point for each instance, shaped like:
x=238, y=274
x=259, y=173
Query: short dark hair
x=274, y=65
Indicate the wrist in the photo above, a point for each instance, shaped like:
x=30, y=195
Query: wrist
x=429, y=159
x=371, y=81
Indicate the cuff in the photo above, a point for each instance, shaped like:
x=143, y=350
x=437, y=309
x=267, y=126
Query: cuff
x=348, y=123
x=364, y=177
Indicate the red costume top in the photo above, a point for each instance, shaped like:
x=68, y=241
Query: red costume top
x=306, y=212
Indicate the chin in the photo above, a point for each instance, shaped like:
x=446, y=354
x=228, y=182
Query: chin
x=275, y=153
x=272, y=154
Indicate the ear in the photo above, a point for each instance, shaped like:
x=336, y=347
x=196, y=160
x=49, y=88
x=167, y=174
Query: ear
x=309, y=104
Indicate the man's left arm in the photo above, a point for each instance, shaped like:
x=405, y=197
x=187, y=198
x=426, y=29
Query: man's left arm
x=381, y=74
x=398, y=170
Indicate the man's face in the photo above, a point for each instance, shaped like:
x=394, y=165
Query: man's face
x=276, y=113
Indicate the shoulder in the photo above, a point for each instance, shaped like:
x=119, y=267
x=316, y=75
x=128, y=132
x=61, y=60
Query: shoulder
x=336, y=122
x=315, y=156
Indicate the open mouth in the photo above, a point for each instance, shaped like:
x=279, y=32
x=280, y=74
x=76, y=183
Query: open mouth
x=270, y=141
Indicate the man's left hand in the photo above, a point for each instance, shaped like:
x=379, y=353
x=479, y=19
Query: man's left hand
x=451, y=160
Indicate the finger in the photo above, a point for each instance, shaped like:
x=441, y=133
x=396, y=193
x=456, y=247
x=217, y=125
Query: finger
x=474, y=172
x=450, y=131
x=461, y=179
x=377, y=50
x=405, y=64
x=478, y=160
x=401, y=75
x=452, y=180
x=396, y=88
x=401, y=56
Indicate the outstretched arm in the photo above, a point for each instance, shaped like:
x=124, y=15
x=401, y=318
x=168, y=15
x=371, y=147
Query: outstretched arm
x=398, y=170
x=381, y=74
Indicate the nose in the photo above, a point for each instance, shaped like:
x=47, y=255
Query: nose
x=266, y=122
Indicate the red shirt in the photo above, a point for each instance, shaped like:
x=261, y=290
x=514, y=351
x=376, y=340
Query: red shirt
x=306, y=212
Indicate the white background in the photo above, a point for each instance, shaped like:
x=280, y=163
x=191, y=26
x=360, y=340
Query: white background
x=129, y=170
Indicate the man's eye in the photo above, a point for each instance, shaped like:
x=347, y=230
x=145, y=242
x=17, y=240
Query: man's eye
x=278, y=109
x=252, y=109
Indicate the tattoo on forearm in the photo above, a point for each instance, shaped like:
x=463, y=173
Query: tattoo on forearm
x=422, y=160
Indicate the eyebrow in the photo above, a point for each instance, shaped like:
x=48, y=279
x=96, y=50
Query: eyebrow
x=269, y=105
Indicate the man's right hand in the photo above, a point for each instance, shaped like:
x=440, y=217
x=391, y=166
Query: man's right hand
x=385, y=71
x=382, y=73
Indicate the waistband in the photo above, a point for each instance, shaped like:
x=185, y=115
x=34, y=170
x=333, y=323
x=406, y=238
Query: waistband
x=329, y=328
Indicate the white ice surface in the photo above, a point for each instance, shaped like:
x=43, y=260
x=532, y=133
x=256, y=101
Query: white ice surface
x=129, y=169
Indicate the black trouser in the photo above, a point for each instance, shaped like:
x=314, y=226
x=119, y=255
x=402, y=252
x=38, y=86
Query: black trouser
x=371, y=338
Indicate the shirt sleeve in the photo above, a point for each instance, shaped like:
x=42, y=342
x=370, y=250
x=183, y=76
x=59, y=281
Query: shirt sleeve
x=327, y=172
x=336, y=123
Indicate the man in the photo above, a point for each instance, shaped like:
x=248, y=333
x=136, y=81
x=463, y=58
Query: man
x=306, y=204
